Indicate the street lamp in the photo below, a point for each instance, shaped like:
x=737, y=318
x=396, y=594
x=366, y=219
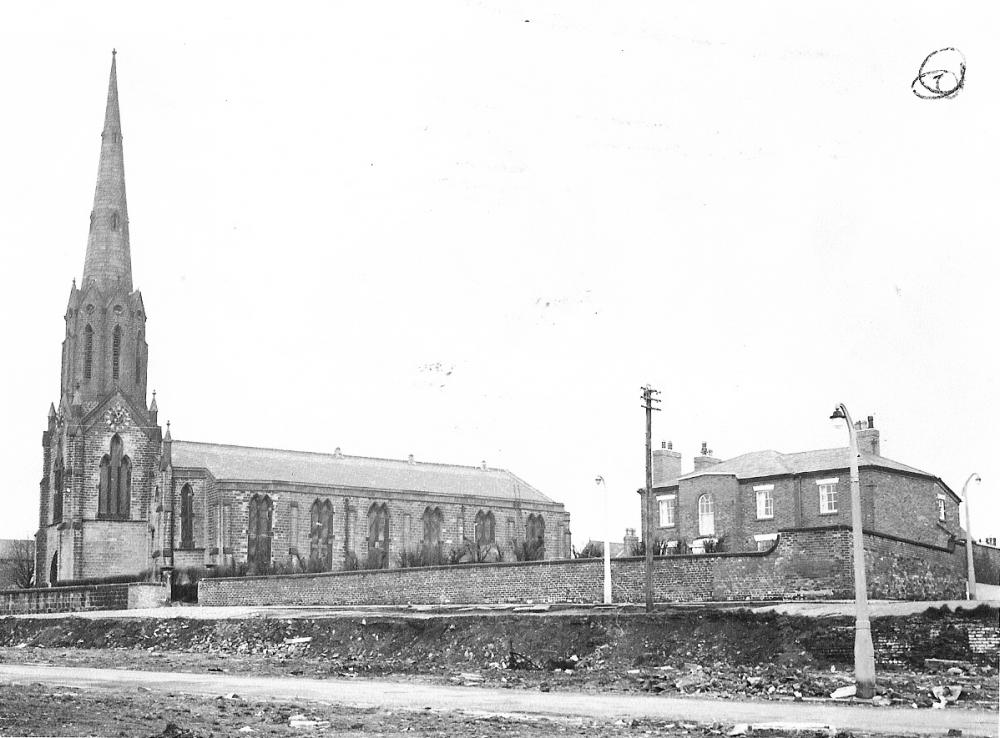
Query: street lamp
x=864, y=652
x=968, y=535
x=607, y=543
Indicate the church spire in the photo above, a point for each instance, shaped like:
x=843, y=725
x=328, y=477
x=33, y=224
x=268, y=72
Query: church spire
x=109, y=261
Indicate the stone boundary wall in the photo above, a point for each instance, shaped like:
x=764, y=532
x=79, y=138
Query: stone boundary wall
x=126, y=596
x=812, y=563
x=908, y=641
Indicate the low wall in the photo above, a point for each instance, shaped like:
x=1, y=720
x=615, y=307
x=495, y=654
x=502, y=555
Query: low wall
x=986, y=559
x=804, y=564
x=86, y=597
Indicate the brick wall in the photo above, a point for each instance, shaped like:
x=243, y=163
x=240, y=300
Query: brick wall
x=87, y=597
x=904, y=570
x=908, y=641
x=804, y=564
x=986, y=560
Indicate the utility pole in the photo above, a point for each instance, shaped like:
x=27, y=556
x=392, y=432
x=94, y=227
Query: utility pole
x=647, y=502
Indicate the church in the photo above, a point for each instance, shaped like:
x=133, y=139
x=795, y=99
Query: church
x=119, y=495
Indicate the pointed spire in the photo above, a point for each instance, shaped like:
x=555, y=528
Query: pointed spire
x=52, y=411
x=152, y=405
x=167, y=437
x=109, y=260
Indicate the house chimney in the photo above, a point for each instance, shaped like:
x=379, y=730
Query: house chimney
x=706, y=459
x=867, y=434
x=666, y=464
x=630, y=542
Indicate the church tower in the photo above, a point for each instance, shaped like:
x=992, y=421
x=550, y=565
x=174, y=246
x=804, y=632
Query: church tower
x=101, y=448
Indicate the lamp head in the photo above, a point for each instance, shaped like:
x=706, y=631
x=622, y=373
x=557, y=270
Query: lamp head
x=598, y=479
x=838, y=417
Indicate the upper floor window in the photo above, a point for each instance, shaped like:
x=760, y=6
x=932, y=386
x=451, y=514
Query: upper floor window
x=57, y=486
x=115, y=487
x=668, y=510
x=827, y=496
x=706, y=516
x=942, y=513
x=116, y=351
x=88, y=352
x=765, y=501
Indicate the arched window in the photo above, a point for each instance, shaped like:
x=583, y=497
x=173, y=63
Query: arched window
x=485, y=528
x=114, y=220
x=259, y=532
x=116, y=351
x=321, y=534
x=138, y=358
x=378, y=535
x=115, y=490
x=57, y=486
x=187, y=516
x=54, y=568
x=88, y=352
x=706, y=516
x=535, y=536
x=433, y=520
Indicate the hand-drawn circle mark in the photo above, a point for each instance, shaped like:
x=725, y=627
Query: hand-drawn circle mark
x=941, y=75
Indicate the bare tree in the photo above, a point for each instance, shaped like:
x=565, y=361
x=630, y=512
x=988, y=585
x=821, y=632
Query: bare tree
x=22, y=563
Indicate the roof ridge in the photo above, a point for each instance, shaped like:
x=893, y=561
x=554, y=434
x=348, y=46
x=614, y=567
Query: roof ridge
x=333, y=455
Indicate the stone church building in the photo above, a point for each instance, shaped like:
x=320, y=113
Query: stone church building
x=120, y=496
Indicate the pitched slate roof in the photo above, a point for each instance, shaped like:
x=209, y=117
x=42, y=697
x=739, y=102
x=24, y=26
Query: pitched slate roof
x=246, y=463
x=774, y=463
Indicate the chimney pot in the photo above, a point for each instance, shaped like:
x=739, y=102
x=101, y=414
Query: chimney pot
x=871, y=421
x=704, y=448
x=663, y=444
x=670, y=445
x=411, y=458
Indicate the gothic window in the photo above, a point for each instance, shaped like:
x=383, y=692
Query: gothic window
x=485, y=528
x=138, y=358
x=54, y=568
x=259, y=532
x=321, y=534
x=116, y=351
x=535, y=533
x=88, y=352
x=57, y=486
x=114, y=220
x=433, y=520
x=378, y=534
x=187, y=516
x=115, y=490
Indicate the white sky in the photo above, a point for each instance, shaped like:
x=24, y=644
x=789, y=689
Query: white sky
x=740, y=203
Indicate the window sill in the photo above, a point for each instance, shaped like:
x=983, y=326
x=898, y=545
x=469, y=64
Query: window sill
x=831, y=512
x=765, y=517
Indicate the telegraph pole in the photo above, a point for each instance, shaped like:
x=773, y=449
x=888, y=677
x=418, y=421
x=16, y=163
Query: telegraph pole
x=647, y=502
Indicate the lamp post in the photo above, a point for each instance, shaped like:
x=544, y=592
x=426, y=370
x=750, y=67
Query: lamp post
x=607, y=543
x=968, y=535
x=864, y=652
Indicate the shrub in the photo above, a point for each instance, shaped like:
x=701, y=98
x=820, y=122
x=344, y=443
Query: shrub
x=144, y=576
x=351, y=562
x=533, y=550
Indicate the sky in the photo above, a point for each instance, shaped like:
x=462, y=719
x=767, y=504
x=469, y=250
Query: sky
x=472, y=231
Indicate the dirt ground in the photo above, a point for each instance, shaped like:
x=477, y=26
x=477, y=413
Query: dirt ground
x=39, y=710
x=727, y=654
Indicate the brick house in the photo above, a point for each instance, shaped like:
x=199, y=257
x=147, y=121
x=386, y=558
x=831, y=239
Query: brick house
x=120, y=496
x=740, y=504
